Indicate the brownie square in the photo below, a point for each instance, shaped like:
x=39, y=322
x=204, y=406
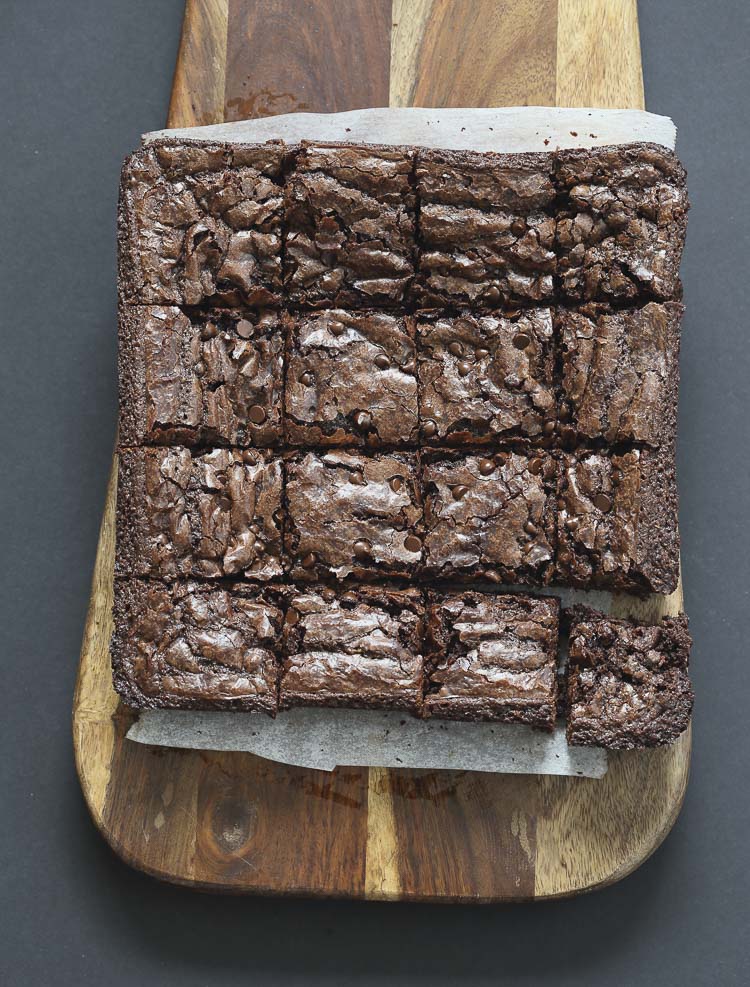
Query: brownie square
x=628, y=682
x=361, y=648
x=192, y=645
x=351, y=380
x=486, y=233
x=492, y=656
x=208, y=378
x=350, y=227
x=622, y=221
x=617, y=521
x=620, y=373
x=211, y=515
x=351, y=514
x=484, y=378
x=201, y=223
x=490, y=517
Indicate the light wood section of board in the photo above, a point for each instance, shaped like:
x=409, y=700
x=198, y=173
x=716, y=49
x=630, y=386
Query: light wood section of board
x=230, y=821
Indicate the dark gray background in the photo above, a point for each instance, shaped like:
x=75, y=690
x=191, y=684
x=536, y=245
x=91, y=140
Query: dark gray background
x=80, y=81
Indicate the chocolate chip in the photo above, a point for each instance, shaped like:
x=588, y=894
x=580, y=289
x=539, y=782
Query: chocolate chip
x=481, y=353
x=549, y=428
x=530, y=528
x=209, y=331
x=259, y=546
x=307, y=378
x=363, y=420
x=535, y=466
x=486, y=466
x=571, y=523
x=362, y=548
x=493, y=575
x=602, y=502
x=408, y=366
x=396, y=483
x=245, y=329
x=455, y=348
x=429, y=428
x=328, y=594
x=412, y=543
x=256, y=414
x=357, y=479
x=249, y=457
x=336, y=328
x=464, y=367
x=292, y=617
x=382, y=362
x=309, y=561
x=348, y=600
x=521, y=340
x=459, y=491
x=492, y=294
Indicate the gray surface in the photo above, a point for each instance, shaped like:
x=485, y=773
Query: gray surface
x=80, y=81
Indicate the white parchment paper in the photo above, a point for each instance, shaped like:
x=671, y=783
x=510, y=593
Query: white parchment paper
x=326, y=738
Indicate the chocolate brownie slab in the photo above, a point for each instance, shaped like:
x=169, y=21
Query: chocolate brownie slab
x=484, y=378
x=620, y=372
x=351, y=380
x=621, y=222
x=617, y=521
x=628, y=683
x=192, y=645
x=490, y=517
x=492, y=656
x=212, y=514
x=351, y=514
x=360, y=648
x=201, y=223
x=350, y=227
x=210, y=378
x=486, y=230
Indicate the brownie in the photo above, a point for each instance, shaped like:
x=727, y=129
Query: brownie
x=350, y=226
x=352, y=514
x=484, y=378
x=213, y=514
x=210, y=378
x=490, y=517
x=360, y=648
x=201, y=223
x=492, y=656
x=628, y=682
x=621, y=222
x=351, y=380
x=193, y=645
x=617, y=521
x=620, y=373
x=486, y=232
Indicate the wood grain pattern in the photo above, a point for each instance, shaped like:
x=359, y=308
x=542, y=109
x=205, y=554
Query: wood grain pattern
x=234, y=822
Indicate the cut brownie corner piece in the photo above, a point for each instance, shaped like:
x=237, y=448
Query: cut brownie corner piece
x=490, y=516
x=628, y=682
x=196, y=645
x=620, y=373
x=200, y=223
x=360, y=647
x=486, y=378
x=617, y=521
x=349, y=239
x=351, y=380
x=622, y=223
x=492, y=656
x=200, y=378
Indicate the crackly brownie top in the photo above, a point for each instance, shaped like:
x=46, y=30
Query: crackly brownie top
x=617, y=521
x=486, y=377
x=201, y=223
x=351, y=380
x=363, y=643
x=620, y=372
x=491, y=516
x=350, y=213
x=622, y=221
x=492, y=645
x=213, y=514
x=210, y=378
x=628, y=683
x=196, y=644
x=353, y=514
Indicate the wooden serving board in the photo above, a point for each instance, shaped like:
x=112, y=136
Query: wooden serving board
x=235, y=822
